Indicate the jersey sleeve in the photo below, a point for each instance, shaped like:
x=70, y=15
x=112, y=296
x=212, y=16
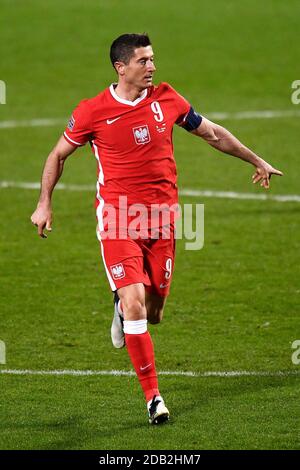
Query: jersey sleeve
x=187, y=117
x=79, y=129
x=182, y=105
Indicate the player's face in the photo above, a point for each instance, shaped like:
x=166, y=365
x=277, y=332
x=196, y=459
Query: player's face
x=139, y=72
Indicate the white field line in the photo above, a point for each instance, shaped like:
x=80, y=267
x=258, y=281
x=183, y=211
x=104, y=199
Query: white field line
x=183, y=192
x=117, y=373
x=37, y=185
x=33, y=123
x=235, y=195
x=219, y=116
x=267, y=114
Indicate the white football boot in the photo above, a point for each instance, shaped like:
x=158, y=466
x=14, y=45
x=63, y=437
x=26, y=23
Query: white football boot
x=117, y=332
x=157, y=411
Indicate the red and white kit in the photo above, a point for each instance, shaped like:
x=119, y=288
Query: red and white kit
x=132, y=142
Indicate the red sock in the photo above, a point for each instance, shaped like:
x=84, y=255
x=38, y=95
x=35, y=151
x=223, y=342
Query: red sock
x=141, y=353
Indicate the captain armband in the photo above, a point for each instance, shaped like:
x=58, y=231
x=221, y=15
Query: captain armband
x=192, y=120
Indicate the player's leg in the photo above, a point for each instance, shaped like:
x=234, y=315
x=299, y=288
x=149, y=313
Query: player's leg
x=124, y=264
x=123, y=261
x=155, y=307
x=159, y=256
x=140, y=348
x=132, y=299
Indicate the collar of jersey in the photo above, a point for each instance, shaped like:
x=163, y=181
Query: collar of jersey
x=129, y=103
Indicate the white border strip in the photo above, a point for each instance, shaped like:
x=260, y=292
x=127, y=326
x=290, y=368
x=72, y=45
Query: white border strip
x=183, y=192
x=117, y=373
x=70, y=140
x=261, y=114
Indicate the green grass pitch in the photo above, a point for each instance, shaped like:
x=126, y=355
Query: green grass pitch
x=234, y=305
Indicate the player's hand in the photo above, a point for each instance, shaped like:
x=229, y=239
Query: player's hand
x=263, y=174
x=42, y=219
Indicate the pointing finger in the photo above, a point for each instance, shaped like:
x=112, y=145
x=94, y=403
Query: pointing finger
x=277, y=172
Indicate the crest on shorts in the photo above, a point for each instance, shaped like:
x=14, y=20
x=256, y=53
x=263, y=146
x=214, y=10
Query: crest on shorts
x=117, y=271
x=141, y=134
x=71, y=123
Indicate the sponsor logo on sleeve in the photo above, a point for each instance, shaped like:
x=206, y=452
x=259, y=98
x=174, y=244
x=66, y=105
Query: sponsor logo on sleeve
x=71, y=123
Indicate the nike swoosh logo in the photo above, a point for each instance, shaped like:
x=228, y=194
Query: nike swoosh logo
x=146, y=367
x=163, y=286
x=110, y=121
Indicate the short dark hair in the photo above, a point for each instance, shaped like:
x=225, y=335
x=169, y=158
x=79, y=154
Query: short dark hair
x=122, y=49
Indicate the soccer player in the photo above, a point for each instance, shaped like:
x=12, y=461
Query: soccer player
x=129, y=127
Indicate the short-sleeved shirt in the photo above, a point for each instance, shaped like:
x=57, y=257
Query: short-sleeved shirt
x=132, y=142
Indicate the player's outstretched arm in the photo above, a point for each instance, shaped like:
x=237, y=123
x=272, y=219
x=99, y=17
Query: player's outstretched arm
x=221, y=139
x=42, y=216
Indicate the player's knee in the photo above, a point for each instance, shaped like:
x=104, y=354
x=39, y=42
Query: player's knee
x=134, y=308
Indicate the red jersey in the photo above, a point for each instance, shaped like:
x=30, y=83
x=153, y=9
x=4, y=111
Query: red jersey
x=132, y=142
